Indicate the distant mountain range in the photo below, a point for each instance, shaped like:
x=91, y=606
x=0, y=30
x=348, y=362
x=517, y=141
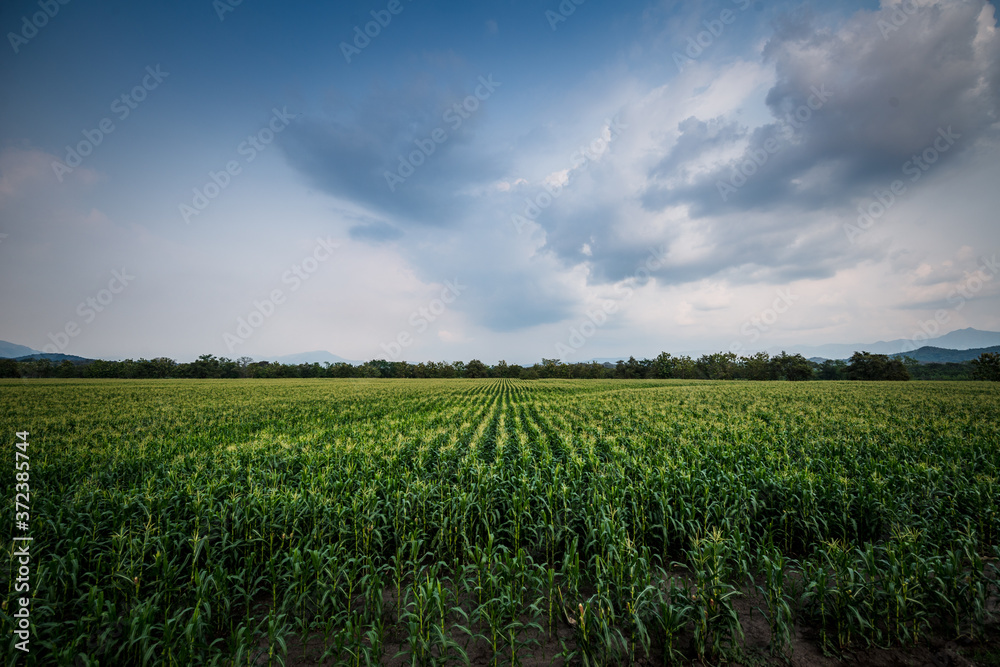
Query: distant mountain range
x=316, y=357
x=13, y=350
x=24, y=353
x=962, y=339
x=937, y=355
x=956, y=346
x=602, y=360
x=54, y=357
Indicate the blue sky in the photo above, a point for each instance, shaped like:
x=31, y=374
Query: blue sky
x=510, y=180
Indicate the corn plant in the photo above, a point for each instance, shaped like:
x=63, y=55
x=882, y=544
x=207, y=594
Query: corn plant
x=233, y=522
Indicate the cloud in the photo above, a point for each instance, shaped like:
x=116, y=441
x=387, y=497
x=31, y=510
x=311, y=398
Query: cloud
x=698, y=137
x=376, y=232
x=880, y=100
x=835, y=111
x=452, y=211
x=24, y=172
x=408, y=152
x=847, y=109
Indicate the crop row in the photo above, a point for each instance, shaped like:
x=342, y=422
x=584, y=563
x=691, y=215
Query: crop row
x=486, y=521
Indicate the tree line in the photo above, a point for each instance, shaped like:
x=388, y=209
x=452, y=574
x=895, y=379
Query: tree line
x=718, y=366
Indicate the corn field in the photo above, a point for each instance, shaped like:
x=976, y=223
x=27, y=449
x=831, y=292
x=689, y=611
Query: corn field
x=501, y=522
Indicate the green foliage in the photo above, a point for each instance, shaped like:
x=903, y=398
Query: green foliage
x=987, y=366
x=476, y=369
x=9, y=369
x=226, y=522
x=832, y=369
x=719, y=366
x=866, y=366
x=945, y=371
x=792, y=367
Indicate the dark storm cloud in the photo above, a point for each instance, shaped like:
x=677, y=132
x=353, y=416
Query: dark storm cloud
x=697, y=137
x=850, y=108
x=447, y=209
x=510, y=301
x=404, y=152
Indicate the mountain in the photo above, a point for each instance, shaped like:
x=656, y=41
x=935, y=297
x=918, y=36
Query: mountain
x=967, y=339
x=962, y=339
x=937, y=355
x=315, y=357
x=13, y=350
x=55, y=358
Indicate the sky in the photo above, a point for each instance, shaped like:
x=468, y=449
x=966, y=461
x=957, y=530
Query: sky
x=518, y=179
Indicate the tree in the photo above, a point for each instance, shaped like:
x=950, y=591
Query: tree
x=987, y=366
x=206, y=366
x=9, y=369
x=629, y=370
x=66, y=369
x=718, y=366
x=376, y=368
x=37, y=367
x=551, y=368
x=866, y=366
x=243, y=366
x=163, y=367
x=442, y=370
x=502, y=370
x=663, y=366
x=686, y=368
x=476, y=369
x=757, y=367
x=833, y=369
x=341, y=369
x=792, y=367
x=369, y=369
x=262, y=369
